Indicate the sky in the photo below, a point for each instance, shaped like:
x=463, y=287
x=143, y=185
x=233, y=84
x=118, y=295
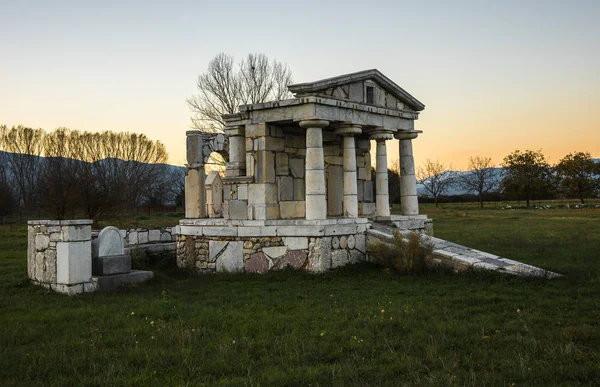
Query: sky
x=494, y=76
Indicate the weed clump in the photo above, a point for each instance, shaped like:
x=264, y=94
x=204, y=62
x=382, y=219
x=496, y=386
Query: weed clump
x=405, y=255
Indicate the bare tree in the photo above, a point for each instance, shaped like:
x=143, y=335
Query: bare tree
x=24, y=146
x=436, y=178
x=481, y=177
x=222, y=88
x=7, y=197
x=58, y=181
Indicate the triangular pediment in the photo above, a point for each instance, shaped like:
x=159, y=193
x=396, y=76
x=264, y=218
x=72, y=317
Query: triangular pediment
x=368, y=87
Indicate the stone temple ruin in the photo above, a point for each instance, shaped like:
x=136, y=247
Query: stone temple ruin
x=298, y=188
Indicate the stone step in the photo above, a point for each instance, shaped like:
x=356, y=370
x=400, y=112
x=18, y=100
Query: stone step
x=113, y=264
x=462, y=257
x=113, y=282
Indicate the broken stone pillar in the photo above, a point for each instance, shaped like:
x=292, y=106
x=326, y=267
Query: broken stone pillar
x=409, y=202
x=316, y=202
x=350, y=186
x=382, y=199
x=237, y=152
x=195, y=200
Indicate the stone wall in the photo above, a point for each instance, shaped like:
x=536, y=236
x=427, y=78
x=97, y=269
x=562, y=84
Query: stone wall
x=209, y=245
x=274, y=187
x=141, y=236
x=59, y=255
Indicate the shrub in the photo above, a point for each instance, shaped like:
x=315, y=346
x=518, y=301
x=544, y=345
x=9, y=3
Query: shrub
x=404, y=255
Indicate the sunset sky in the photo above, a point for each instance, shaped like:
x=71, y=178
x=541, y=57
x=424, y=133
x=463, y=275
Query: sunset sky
x=494, y=76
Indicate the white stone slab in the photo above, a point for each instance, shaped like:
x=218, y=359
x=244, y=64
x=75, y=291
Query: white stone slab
x=275, y=251
x=296, y=243
x=154, y=235
x=73, y=262
x=110, y=242
x=232, y=259
x=220, y=231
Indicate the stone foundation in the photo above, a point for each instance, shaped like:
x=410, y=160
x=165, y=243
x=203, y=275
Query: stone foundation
x=218, y=245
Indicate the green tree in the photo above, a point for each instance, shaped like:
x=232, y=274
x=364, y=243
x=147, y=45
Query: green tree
x=527, y=174
x=579, y=175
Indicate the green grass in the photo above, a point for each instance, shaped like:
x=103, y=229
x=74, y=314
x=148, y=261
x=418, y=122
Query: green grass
x=354, y=326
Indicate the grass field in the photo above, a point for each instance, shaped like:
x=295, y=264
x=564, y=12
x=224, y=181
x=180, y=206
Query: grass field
x=354, y=326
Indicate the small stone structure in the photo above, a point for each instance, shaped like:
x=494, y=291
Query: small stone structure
x=60, y=257
x=298, y=187
x=109, y=253
x=214, y=195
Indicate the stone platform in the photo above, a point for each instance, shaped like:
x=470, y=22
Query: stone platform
x=224, y=245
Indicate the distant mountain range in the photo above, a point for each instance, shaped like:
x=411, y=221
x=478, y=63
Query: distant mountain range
x=455, y=190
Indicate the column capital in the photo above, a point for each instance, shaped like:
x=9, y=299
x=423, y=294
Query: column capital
x=380, y=134
x=313, y=123
x=348, y=129
x=407, y=134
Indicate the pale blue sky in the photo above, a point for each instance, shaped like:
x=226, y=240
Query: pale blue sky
x=494, y=76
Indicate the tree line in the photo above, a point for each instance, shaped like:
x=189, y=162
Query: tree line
x=525, y=175
x=82, y=173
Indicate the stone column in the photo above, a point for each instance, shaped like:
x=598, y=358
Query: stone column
x=350, y=188
x=316, y=203
x=237, y=151
x=382, y=198
x=195, y=201
x=408, y=181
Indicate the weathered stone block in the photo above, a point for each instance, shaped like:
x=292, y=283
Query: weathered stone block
x=282, y=167
x=257, y=263
x=299, y=189
x=319, y=255
x=296, y=243
x=286, y=187
x=41, y=242
x=297, y=168
x=242, y=192
x=109, y=265
x=143, y=237
x=296, y=259
x=220, y=231
x=75, y=233
x=257, y=130
x=274, y=252
x=339, y=258
x=269, y=143
x=340, y=229
x=360, y=173
x=361, y=244
x=335, y=189
x=231, y=259
x=368, y=191
x=265, y=167
x=356, y=256
x=292, y=209
x=238, y=209
x=74, y=262
x=262, y=193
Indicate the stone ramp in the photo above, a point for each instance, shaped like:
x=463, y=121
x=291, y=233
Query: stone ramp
x=462, y=257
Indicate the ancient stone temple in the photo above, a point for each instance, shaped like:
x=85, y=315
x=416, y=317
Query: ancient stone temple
x=299, y=188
